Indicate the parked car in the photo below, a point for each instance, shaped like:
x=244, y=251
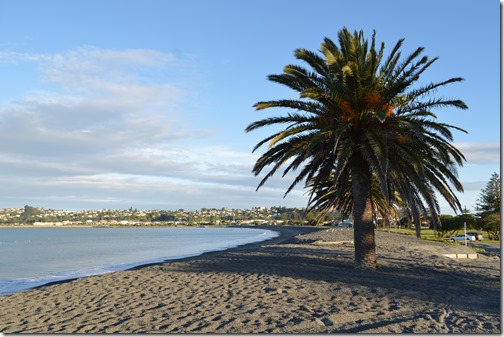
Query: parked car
x=345, y=224
x=462, y=237
x=477, y=235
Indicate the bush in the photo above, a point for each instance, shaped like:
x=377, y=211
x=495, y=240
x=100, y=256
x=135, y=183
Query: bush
x=490, y=222
x=451, y=224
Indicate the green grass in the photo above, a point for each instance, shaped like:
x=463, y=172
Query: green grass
x=426, y=234
x=429, y=234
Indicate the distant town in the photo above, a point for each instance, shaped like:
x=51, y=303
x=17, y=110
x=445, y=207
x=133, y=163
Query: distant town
x=33, y=216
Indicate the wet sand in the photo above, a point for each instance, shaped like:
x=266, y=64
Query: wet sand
x=303, y=281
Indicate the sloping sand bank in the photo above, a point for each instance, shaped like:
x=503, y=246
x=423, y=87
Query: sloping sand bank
x=291, y=284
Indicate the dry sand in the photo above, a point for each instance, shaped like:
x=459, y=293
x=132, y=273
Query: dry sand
x=291, y=284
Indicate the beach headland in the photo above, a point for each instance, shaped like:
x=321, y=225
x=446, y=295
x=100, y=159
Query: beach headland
x=303, y=281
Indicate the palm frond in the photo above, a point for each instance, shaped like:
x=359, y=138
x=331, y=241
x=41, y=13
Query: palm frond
x=358, y=107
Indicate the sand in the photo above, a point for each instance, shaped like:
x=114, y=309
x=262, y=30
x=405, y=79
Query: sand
x=291, y=284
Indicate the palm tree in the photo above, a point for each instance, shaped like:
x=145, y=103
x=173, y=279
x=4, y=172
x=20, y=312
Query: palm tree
x=358, y=124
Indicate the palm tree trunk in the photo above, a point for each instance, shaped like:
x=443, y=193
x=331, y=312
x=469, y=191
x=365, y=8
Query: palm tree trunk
x=364, y=235
x=418, y=229
x=435, y=221
x=416, y=217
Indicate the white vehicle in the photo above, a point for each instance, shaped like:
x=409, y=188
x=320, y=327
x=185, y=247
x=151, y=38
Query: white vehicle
x=462, y=237
x=477, y=235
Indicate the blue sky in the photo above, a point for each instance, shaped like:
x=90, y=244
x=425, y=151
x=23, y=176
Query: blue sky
x=118, y=104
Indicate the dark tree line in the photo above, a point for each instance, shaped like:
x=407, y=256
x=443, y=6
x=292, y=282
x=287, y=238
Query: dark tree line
x=488, y=207
x=487, y=217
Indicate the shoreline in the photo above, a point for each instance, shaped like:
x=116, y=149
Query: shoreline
x=288, y=284
x=285, y=233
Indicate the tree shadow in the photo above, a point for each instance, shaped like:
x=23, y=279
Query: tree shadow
x=460, y=289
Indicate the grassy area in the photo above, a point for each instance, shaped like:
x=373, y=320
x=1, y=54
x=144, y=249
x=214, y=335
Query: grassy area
x=426, y=234
x=429, y=234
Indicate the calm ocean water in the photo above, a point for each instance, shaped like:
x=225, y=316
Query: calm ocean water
x=31, y=257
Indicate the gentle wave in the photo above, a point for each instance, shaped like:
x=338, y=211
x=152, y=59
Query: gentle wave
x=20, y=273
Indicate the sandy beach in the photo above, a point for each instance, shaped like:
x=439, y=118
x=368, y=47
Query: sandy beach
x=303, y=281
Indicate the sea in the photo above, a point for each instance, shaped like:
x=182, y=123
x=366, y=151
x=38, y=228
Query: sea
x=30, y=257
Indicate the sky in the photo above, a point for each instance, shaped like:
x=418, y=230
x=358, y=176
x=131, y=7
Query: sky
x=143, y=103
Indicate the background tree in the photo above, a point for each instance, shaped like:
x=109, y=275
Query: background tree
x=451, y=224
x=488, y=207
x=358, y=123
x=491, y=223
x=489, y=199
x=29, y=214
x=448, y=225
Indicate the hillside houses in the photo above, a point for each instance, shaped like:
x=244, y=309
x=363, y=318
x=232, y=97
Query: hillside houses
x=132, y=217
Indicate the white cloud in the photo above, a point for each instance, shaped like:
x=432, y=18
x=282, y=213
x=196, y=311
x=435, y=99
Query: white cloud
x=474, y=185
x=109, y=127
x=480, y=153
x=100, y=100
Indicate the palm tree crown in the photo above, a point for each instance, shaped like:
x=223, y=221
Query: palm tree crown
x=359, y=135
